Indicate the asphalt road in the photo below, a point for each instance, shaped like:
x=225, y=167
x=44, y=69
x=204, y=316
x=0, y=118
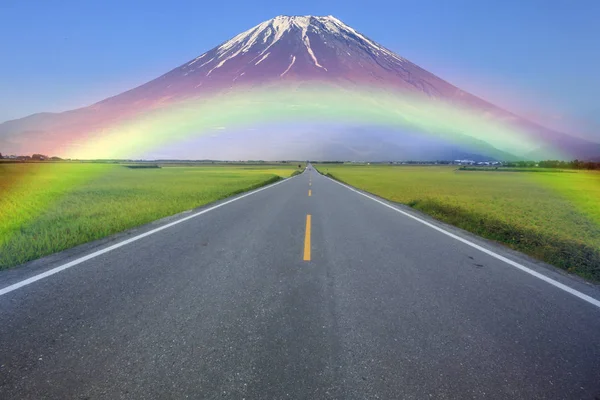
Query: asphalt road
x=247, y=302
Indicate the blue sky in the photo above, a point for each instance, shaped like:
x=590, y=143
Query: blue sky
x=539, y=58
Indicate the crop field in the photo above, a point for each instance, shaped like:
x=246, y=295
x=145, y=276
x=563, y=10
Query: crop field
x=49, y=207
x=551, y=215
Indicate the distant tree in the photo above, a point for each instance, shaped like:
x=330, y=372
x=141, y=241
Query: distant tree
x=39, y=157
x=1, y=156
x=575, y=164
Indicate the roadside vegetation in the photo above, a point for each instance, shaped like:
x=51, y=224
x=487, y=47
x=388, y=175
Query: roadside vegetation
x=553, y=216
x=45, y=208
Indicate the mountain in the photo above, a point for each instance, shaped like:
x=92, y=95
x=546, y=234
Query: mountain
x=292, y=85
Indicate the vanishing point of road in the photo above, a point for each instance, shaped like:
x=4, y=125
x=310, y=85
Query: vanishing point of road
x=305, y=289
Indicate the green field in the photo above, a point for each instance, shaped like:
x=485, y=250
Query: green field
x=551, y=215
x=49, y=207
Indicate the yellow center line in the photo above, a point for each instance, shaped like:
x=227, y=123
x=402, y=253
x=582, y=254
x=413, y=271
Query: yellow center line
x=309, y=192
x=307, y=240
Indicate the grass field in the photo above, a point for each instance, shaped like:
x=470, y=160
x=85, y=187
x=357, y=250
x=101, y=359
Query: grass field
x=49, y=207
x=553, y=216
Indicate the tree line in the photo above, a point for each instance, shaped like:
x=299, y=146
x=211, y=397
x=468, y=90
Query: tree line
x=34, y=157
x=575, y=164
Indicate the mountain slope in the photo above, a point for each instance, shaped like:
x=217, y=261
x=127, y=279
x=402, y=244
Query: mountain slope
x=285, y=52
x=289, y=49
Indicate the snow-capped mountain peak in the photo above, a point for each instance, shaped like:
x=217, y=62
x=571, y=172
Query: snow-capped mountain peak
x=316, y=44
x=289, y=49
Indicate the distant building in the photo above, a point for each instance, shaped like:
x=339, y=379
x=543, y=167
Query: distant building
x=464, y=162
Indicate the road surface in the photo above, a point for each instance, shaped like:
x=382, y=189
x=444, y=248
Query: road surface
x=285, y=295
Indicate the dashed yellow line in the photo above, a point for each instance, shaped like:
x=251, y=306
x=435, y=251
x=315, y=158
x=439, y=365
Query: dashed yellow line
x=307, y=239
x=309, y=192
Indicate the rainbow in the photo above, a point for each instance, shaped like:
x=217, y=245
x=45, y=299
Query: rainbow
x=140, y=133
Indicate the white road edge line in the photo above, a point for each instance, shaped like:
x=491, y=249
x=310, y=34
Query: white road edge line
x=523, y=268
x=73, y=263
